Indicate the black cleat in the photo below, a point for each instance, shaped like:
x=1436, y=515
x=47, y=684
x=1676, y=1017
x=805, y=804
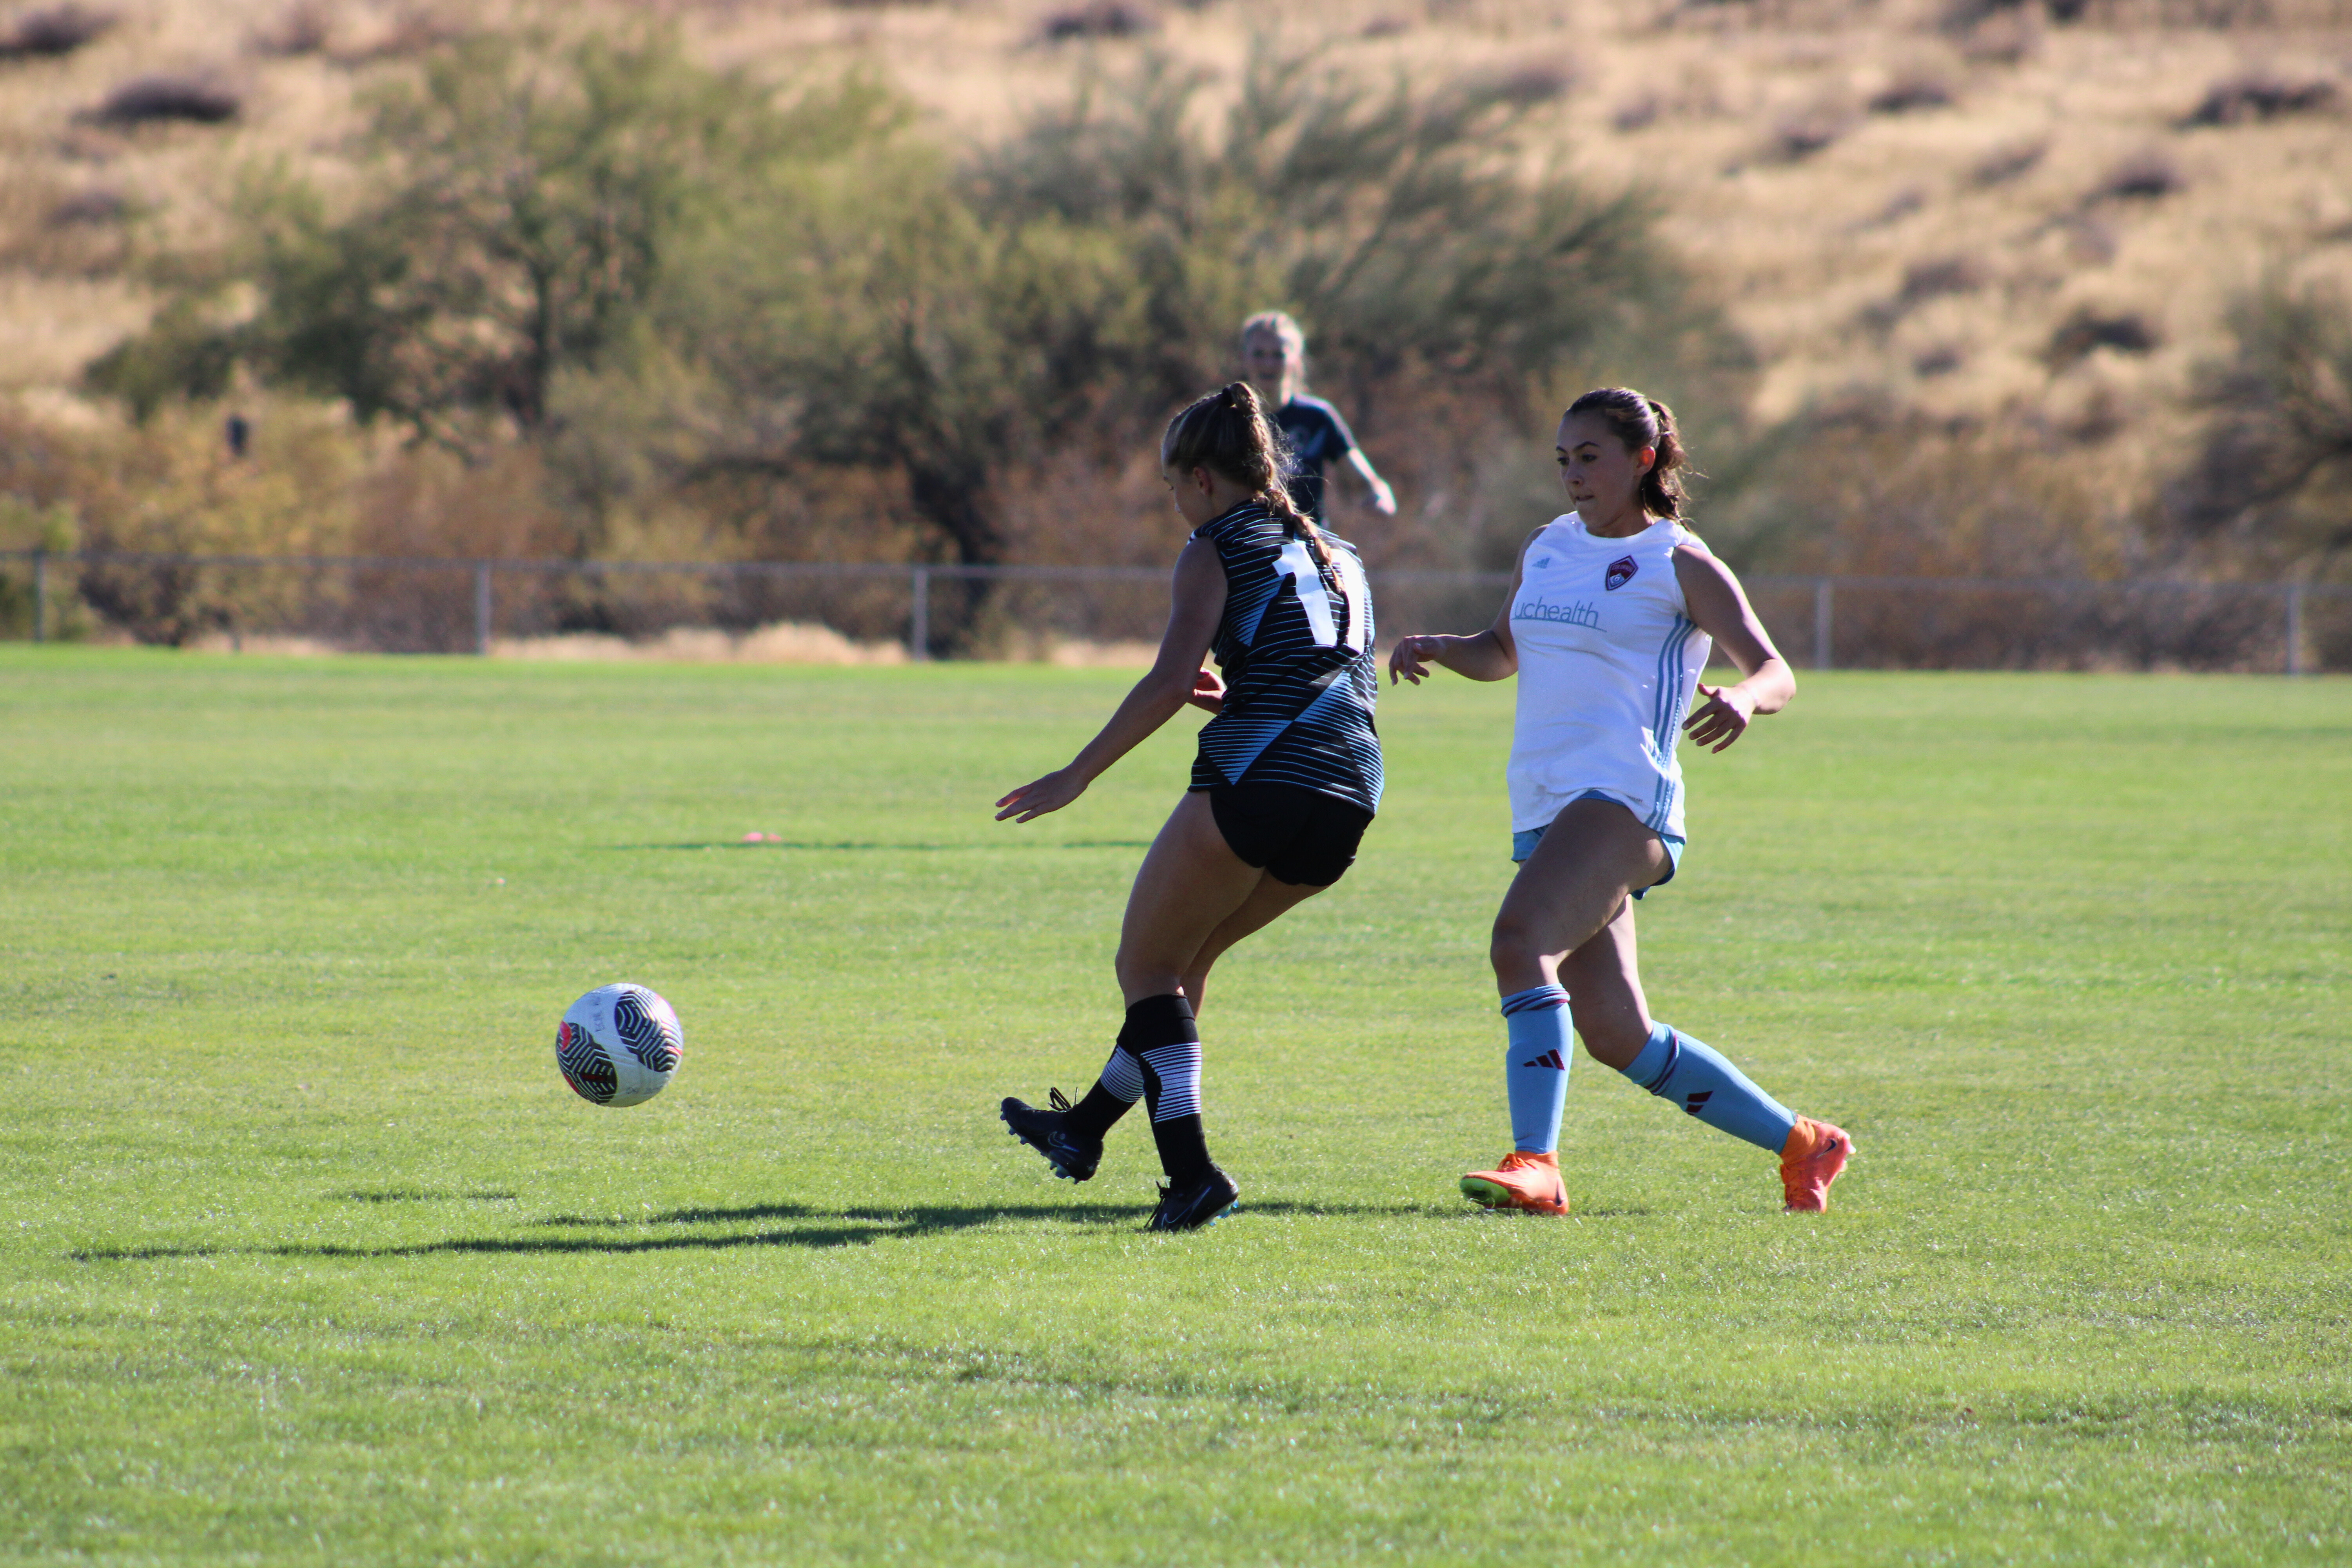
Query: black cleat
x=1191, y=1208
x=1074, y=1158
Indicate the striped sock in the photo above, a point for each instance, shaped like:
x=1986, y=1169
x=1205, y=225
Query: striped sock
x=1165, y=1043
x=1536, y=1068
x=1120, y=1086
x=1682, y=1071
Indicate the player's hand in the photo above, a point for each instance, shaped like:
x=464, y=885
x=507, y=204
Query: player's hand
x=1208, y=691
x=1724, y=717
x=1034, y=799
x=1407, y=661
x=1384, y=499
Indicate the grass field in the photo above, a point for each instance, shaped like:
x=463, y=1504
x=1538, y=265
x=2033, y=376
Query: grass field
x=315, y=1259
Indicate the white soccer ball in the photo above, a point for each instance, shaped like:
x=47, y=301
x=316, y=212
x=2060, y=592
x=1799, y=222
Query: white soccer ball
x=619, y=1045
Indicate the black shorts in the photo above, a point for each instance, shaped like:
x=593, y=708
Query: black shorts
x=1296, y=836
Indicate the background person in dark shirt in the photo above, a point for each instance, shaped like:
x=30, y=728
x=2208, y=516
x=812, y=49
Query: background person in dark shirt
x=1274, y=356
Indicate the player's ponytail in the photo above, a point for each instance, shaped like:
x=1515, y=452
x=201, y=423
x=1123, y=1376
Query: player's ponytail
x=1227, y=433
x=1638, y=422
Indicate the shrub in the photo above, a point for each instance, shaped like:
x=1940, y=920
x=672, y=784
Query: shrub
x=1913, y=90
x=1870, y=486
x=91, y=208
x=50, y=229
x=1099, y=19
x=2089, y=329
x=2273, y=477
x=303, y=29
x=2143, y=176
x=1941, y=360
x=2004, y=36
x=1799, y=135
x=2003, y=164
x=59, y=30
x=1637, y=113
x=1943, y=275
x=150, y=99
x=2261, y=95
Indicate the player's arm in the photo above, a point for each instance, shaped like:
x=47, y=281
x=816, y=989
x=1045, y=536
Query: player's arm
x=1376, y=488
x=1719, y=608
x=1490, y=655
x=1175, y=679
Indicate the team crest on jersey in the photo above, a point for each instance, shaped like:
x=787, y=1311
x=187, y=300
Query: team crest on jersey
x=1620, y=571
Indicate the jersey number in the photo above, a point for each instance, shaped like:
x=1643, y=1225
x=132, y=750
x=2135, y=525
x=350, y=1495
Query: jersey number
x=1298, y=564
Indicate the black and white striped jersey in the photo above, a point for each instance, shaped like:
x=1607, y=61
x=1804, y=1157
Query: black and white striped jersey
x=1295, y=649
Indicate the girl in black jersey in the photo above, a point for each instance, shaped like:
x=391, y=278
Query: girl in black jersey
x=1273, y=357
x=1288, y=778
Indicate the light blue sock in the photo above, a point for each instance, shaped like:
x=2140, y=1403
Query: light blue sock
x=1537, y=1068
x=1677, y=1069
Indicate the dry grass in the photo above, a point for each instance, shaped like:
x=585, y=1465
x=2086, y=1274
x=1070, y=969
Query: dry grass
x=786, y=642
x=2134, y=164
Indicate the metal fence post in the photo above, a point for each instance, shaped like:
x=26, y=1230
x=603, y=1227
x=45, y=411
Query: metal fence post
x=482, y=609
x=918, y=620
x=1824, y=625
x=40, y=596
x=2295, y=629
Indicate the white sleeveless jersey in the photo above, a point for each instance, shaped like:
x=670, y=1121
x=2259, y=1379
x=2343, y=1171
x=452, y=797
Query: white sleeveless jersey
x=1609, y=658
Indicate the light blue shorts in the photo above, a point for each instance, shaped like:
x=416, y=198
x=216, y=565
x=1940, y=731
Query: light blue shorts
x=1524, y=842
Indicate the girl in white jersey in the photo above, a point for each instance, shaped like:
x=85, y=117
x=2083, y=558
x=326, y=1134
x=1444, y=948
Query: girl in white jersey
x=1608, y=626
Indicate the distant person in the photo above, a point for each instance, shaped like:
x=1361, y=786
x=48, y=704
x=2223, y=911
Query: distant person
x=239, y=433
x=1608, y=626
x=1274, y=356
x=1286, y=780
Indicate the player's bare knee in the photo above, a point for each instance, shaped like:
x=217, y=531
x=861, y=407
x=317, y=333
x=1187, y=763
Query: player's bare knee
x=1612, y=1039
x=1518, y=956
x=1144, y=976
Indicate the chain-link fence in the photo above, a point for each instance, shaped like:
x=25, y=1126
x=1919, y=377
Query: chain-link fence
x=389, y=604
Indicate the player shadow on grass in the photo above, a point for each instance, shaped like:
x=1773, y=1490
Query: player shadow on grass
x=1006, y=843
x=849, y=1227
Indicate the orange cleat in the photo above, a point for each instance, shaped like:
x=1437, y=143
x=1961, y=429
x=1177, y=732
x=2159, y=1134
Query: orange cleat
x=1529, y=1183
x=1810, y=1160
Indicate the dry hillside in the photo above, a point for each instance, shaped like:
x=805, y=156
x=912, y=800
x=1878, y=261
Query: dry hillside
x=1964, y=212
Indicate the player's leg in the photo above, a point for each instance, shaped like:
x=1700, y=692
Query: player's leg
x=1613, y=1016
x=1267, y=902
x=1303, y=838
x=1578, y=879
x=1190, y=883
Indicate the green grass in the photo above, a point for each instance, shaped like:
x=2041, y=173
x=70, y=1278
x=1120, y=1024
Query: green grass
x=314, y=1260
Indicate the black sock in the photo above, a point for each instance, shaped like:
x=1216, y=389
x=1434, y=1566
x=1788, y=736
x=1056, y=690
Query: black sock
x=1099, y=1111
x=1161, y=1036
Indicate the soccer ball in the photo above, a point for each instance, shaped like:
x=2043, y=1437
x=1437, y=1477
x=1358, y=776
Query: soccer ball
x=619, y=1045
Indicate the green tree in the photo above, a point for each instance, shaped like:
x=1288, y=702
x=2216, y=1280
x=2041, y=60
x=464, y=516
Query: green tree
x=1402, y=221
x=1069, y=286
x=524, y=203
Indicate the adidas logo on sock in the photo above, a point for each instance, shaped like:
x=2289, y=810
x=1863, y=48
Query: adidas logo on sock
x=1691, y=1102
x=1551, y=1060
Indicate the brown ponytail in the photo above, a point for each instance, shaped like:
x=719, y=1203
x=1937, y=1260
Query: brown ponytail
x=1227, y=433
x=1639, y=422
